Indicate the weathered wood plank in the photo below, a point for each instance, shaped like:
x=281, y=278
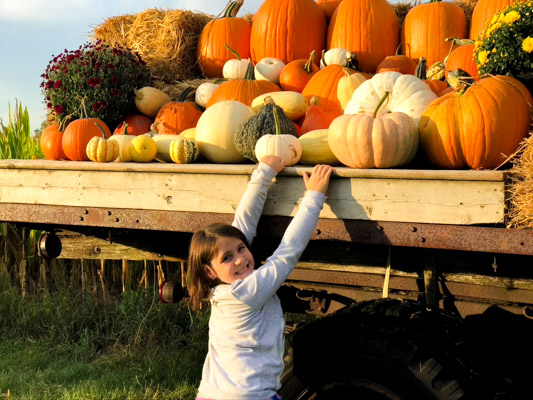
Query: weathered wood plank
x=391, y=195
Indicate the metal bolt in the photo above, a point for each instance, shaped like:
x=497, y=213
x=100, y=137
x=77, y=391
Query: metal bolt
x=379, y=228
x=97, y=249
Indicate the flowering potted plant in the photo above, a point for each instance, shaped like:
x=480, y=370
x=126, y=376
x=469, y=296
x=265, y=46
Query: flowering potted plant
x=505, y=47
x=104, y=76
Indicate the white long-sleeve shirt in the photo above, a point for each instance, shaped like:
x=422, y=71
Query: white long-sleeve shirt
x=246, y=342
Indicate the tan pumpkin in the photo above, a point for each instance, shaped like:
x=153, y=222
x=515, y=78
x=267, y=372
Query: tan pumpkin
x=101, y=150
x=184, y=151
x=315, y=148
x=217, y=128
x=372, y=141
x=123, y=141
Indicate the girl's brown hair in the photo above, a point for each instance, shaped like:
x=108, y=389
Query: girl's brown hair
x=202, y=250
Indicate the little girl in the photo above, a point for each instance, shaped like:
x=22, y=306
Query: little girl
x=246, y=326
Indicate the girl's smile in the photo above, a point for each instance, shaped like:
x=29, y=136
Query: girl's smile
x=232, y=261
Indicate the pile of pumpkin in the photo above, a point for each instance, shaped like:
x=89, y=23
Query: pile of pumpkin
x=370, y=107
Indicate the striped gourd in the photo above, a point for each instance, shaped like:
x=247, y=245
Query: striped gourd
x=100, y=149
x=184, y=151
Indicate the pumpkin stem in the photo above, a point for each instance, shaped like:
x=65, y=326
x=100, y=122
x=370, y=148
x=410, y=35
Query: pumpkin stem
x=459, y=80
x=323, y=58
x=64, y=123
x=183, y=95
x=315, y=101
x=101, y=130
x=456, y=42
x=126, y=129
x=250, y=71
x=233, y=8
x=421, y=69
x=83, y=108
x=276, y=120
x=308, y=67
x=352, y=61
x=233, y=52
x=385, y=97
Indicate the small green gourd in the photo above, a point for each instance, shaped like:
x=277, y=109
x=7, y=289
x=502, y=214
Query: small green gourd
x=261, y=124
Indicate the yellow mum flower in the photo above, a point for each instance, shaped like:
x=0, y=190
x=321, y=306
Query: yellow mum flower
x=527, y=44
x=482, y=57
x=511, y=17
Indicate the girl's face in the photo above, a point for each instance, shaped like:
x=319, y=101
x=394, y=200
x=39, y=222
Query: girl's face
x=233, y=261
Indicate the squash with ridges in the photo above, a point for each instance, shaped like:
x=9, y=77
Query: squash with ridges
x=184, y=151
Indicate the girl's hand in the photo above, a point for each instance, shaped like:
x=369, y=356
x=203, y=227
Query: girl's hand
x=319, y=178
x=274, y=162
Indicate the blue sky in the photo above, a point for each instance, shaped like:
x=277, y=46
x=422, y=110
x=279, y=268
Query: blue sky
x=33, y=31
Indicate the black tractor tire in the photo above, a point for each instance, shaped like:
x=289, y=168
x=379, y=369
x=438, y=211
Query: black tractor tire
x=389, y=349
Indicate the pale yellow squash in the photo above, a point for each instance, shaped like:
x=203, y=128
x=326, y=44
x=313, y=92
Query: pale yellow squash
x=315, y=148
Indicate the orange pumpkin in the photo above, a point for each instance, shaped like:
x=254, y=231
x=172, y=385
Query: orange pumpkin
x=138, y=124
x=316, y=117
x=479, y=128
x=436, y=85
x=426, y=26
x=398, y=63
x=483, y=13
x=295, y=75
x=78, y=134
x=328, y=7
x=242, y=90
x=368, y=28
x=462, y=57
x=228, y=30
x=176, y=116
x=52, y=143
x=287, y=30
x=324, y=85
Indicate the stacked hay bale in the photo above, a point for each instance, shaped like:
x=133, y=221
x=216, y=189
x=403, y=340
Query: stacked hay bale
x=520, y=207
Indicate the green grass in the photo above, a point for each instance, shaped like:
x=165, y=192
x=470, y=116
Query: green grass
x=69, y=346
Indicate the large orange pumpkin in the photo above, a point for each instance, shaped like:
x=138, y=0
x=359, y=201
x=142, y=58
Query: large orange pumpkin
x=287, y=30
x=176, y=116
x=324, y=86
x=78, y=134
x=398, y=62
x=52, y=143
x=243, y=90
x=462, y=57
x=483, y=13
x=368, y=28
x=228, y=30
x=426, y=26
x=328, y=7
x=479, y=128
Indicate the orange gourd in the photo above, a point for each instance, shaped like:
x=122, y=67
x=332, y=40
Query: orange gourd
x=328, y=7
x=369, y=28
x=436, y=85
x=462, y=57
x=295, y=75
x=228, y=30
x=398, y=62
x=52, y=142
x=137, y=125
x=483, y=13
x=316, y=117
x=287, y=30
x=324, y=85
x=479, y=128
x=426, y=26
x=242, y=90
x=176, y=116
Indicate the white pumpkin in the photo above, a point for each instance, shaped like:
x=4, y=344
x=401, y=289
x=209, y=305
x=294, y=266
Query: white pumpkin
x=204, y=92
x=287, y=147
x=123, y=147
x=269, y=69
x=216, y=129
x=235, y=68
x=335, y=55
x=407, y=94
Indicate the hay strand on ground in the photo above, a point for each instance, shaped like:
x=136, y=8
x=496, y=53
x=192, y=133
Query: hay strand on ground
x=165, y=39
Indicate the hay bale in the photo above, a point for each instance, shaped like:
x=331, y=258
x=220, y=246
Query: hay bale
x=174, y=89
x=165, y=39
x=520, y=209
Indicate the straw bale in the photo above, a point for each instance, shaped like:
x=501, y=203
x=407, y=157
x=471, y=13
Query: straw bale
x=165, y=39
x=174, y=89
x=520, y=208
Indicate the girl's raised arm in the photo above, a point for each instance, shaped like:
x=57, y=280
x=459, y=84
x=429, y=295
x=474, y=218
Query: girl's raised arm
x=251, y=205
